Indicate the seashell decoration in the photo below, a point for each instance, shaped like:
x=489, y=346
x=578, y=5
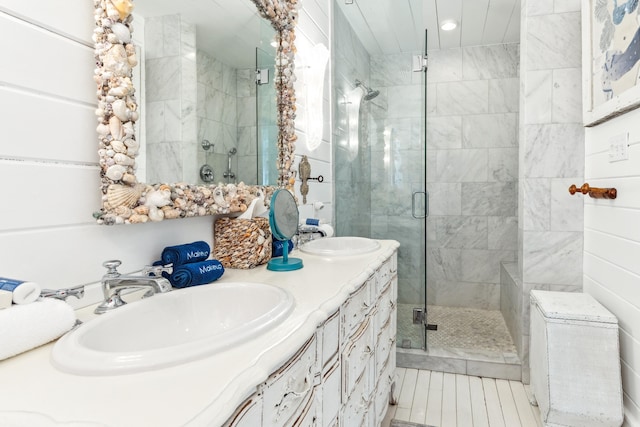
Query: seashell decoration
x=283, y=15
x=124, y=7
x=125, y=201
x=124, y=195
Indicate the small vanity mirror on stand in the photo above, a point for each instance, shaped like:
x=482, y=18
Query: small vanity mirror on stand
x=283, y=219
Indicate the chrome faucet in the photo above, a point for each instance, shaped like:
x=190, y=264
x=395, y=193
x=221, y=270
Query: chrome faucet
x=113, y=283
x=307, y=233
x=63, y=294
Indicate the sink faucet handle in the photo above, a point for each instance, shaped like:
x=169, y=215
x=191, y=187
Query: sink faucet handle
x=157, y=270
x=63, y=294
x=112, y=267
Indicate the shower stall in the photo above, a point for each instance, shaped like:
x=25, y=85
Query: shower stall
x=426, y=154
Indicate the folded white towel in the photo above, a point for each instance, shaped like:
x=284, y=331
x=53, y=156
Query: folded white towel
x=23, y=327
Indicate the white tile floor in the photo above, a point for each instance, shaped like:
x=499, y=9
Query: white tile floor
x=449, y=400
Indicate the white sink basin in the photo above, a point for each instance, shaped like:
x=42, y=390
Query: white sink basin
x=172, y=328
x=340, y=246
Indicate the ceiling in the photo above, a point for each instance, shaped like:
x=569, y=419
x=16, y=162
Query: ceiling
x=229, y=30
x=384, y=26
x=393, y=26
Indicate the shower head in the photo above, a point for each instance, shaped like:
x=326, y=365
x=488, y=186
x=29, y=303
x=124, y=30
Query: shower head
x=369, y=93
x=233, y=151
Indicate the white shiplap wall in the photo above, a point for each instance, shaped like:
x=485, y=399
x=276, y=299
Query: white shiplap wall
x=314, y=27
x=48, y=153
x=612, y=244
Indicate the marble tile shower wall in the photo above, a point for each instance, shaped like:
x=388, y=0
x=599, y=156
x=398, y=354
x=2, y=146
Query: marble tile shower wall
x=551, y=157
x=352, y=178
x=226, y=112
x=472, y=166
x=170, y=98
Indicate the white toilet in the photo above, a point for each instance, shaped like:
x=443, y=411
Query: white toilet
x=575, y=361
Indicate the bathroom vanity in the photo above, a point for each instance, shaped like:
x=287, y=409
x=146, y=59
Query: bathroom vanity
x=330, y=363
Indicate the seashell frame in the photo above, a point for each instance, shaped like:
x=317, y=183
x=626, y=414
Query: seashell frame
x=117, y=112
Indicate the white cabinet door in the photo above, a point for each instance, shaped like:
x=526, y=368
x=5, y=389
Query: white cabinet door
x=289, y=387
x=249, y=414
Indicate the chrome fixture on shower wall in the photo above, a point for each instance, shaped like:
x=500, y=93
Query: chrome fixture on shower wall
x=369, y=93
x=229, y=174
x=206, y=171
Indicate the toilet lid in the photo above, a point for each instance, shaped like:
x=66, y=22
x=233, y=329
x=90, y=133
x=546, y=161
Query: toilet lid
x=571, y=306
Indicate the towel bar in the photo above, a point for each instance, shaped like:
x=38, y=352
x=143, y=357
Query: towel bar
x=596, y=193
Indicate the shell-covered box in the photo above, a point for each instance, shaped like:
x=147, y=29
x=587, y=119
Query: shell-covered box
x=242, y=243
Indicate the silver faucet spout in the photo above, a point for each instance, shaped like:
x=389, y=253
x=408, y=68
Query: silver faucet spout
x=113, y=284
x=306, y=233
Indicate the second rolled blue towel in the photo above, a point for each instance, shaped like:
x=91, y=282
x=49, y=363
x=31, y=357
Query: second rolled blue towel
x=197, y=273
x=187, y=253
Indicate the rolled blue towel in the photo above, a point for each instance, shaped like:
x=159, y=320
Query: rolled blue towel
x=277, y=246
x=183, y=254
x=197, y=273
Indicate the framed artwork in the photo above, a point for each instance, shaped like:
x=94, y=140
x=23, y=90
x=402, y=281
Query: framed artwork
x=611, y=58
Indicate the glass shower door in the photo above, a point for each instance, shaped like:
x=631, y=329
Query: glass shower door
x=404, y=163
x=266, y=118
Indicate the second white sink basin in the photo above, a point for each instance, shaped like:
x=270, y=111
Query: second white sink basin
x=172, y=328
x=340, y=246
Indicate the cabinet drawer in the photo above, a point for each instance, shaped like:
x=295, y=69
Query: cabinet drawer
x=330, y=339
x=290, y=386
x=355, y=309
x=331, y=395
x=383, y=348
x=385, y=306
x=249, y=414
x=384, y=274
x=381, y=401
x=308, y=416
x=355, y=358
x=355, y=410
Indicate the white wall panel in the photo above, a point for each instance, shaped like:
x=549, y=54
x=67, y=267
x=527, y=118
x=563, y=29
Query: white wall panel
x=55, y=15
x=618, y=280
x=598, y=165
x=61, y=66
x=626, y=253
x=37, y=126
x=613, y=220
x=612, y=239
x=47, y=195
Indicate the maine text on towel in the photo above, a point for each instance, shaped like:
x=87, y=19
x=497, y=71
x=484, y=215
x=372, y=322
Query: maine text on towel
x=197, y=254
x=208, y=268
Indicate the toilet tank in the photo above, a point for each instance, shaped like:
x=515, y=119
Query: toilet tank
x=575, y=360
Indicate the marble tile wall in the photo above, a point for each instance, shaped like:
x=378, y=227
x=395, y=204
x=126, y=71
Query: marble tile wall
x=189, y=100
x=472, y=172
x=551, y=156
x=170, y=96
x=226, y=113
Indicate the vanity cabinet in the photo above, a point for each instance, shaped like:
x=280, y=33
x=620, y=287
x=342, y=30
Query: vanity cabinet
x=344, y=374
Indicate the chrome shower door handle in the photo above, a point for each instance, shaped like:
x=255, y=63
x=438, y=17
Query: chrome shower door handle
x=414, y=203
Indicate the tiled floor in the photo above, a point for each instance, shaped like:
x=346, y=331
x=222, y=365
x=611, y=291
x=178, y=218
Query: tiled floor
x=458, y=328
x=454, y=400
x=468, y=341
x=469, y=328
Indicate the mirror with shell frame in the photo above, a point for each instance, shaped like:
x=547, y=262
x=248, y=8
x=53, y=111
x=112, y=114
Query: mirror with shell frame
x=125, y=198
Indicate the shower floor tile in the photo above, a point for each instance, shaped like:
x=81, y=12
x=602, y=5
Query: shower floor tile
x=482, y=332
x=469, y=329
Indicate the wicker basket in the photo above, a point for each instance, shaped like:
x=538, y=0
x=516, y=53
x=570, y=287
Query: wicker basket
x=242, y=243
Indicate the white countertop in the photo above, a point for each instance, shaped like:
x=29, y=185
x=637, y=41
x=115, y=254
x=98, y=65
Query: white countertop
x=197, y=393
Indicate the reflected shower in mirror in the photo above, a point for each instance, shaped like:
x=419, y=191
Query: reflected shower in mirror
x=198, y=79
